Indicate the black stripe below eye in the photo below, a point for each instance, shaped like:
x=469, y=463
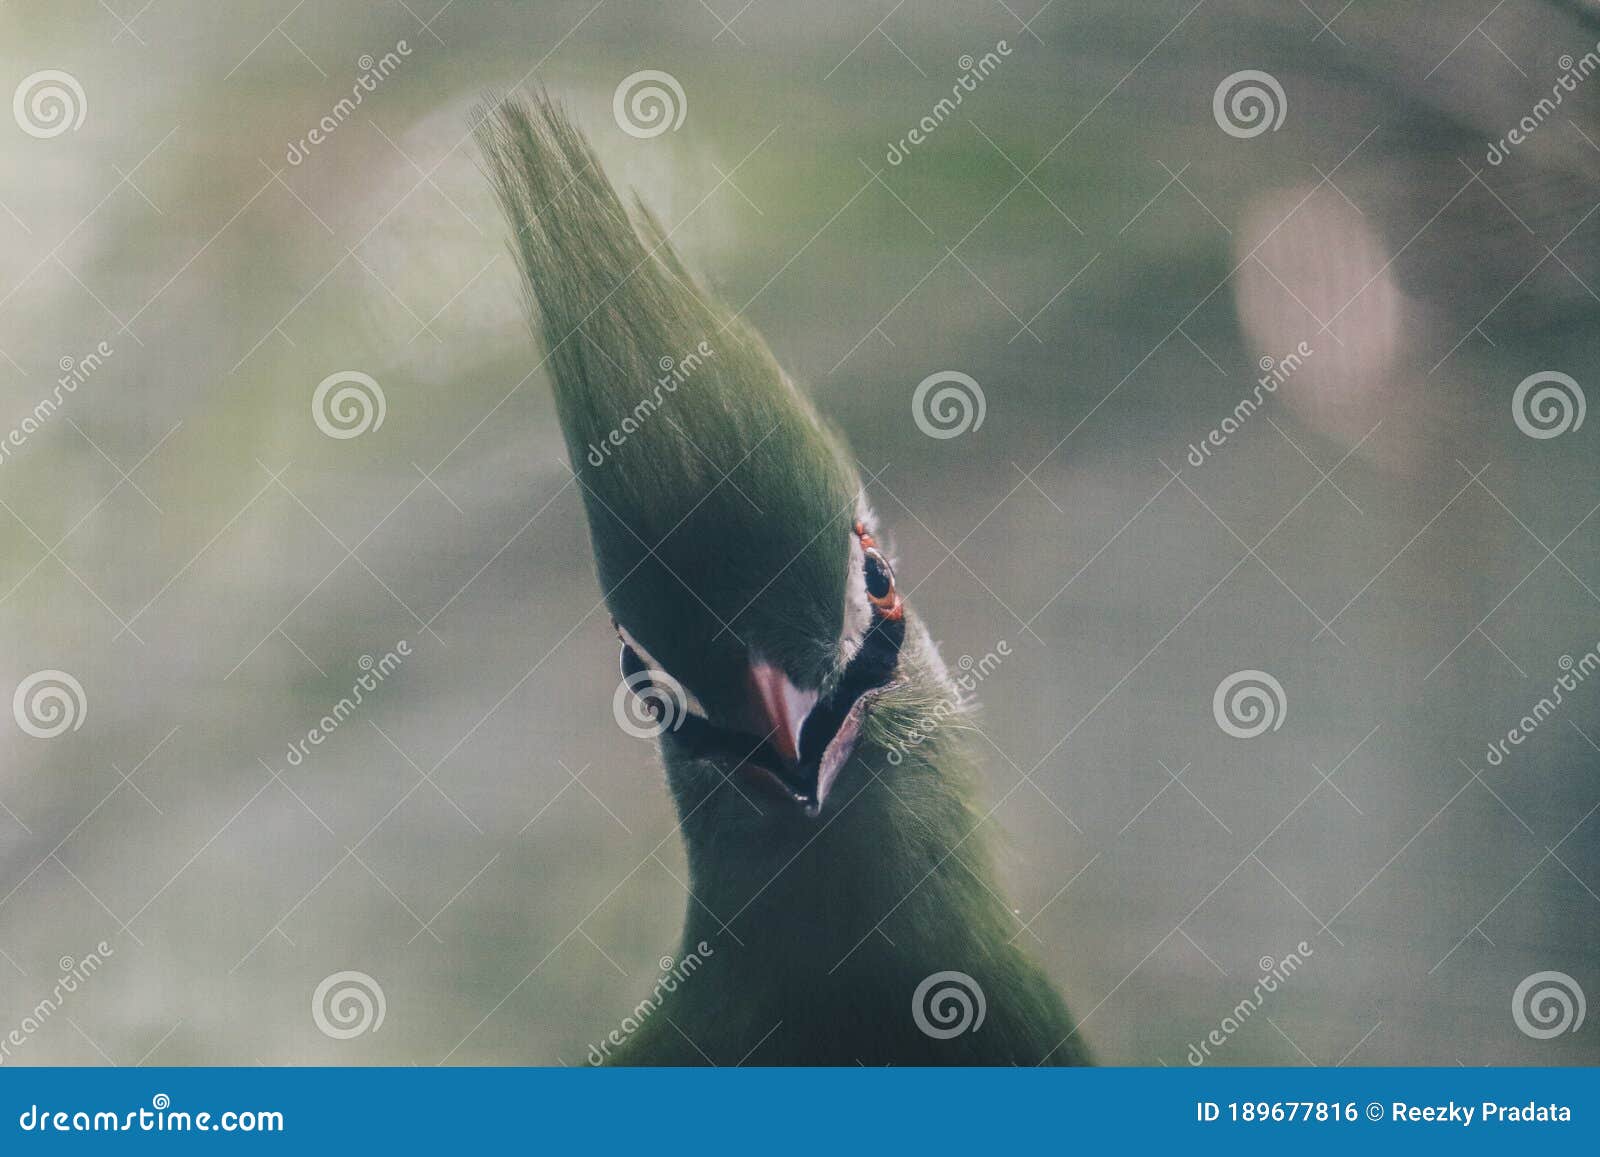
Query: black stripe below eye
x=873, y=666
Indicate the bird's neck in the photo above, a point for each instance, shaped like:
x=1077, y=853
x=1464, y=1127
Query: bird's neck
x=812, y=941
x=897, y=865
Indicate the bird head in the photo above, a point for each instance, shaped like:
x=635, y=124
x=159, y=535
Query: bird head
x=757, y=614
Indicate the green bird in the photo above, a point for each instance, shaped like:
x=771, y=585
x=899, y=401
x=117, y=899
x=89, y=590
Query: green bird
x=843, y=905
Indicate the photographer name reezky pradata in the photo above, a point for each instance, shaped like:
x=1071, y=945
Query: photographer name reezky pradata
x=1394, y=1112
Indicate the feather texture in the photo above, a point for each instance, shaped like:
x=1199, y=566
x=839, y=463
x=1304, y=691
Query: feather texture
x=721, y=528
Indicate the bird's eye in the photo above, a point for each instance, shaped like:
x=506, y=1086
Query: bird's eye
x=880, y=578
x=881, y=592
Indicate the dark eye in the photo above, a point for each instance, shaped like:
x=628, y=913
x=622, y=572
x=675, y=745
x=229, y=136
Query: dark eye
x=880, y=578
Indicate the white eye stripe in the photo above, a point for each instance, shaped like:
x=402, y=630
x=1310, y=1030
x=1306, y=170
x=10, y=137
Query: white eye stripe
x=857, y=606
x=694, y=705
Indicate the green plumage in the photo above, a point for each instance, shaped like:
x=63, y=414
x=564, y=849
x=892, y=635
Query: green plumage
x=721, y=529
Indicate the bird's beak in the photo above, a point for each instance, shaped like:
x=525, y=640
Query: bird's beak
x=778, y=709
x=813, y=739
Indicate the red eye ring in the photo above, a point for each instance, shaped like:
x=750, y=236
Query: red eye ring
x=888, y=604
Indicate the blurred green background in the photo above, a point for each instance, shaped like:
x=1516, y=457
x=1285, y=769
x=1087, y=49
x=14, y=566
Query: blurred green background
x=1081, y=237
